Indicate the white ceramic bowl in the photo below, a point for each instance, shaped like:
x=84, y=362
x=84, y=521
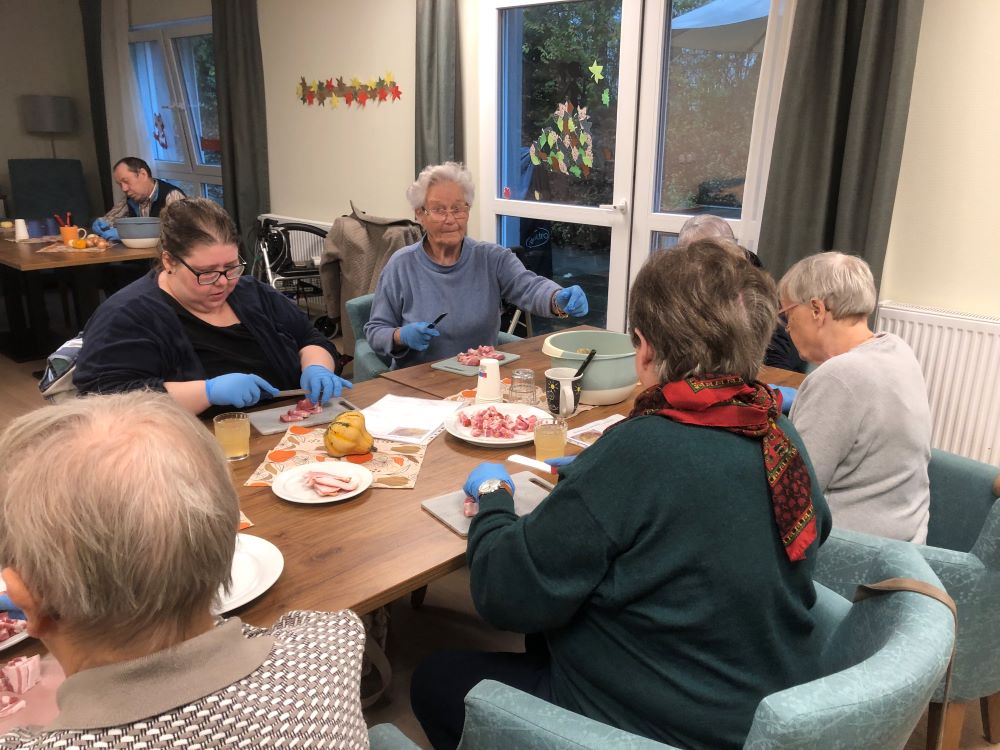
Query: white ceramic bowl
x=140, y=244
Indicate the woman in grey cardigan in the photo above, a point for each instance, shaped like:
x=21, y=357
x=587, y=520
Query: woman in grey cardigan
x=117, y=529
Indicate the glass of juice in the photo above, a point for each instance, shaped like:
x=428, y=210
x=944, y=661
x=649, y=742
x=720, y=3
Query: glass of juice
x=550, y=438
x=232, y=430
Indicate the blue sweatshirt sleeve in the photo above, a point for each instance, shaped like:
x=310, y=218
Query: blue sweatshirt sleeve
x=524, y=288
x=387, y=311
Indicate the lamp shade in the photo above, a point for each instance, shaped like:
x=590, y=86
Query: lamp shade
x=47, y=114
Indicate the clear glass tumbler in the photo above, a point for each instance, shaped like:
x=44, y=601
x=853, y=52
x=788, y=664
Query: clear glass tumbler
x=522, y=387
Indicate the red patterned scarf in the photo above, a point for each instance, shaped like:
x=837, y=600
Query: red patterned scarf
x=729, y=403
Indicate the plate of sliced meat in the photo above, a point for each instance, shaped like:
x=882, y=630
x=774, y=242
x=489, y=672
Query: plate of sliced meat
x=12, y=630
x=322, y=482
x=495, y=424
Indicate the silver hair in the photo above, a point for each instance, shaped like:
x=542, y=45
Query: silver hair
x=843, y=282
x=703, y=227
x=450, y=171
x=118, y=512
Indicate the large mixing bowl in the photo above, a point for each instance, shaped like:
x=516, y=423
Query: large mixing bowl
x=610, y=378
x=139, y=231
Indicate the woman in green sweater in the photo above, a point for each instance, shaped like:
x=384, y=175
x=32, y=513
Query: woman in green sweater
x=670, y=571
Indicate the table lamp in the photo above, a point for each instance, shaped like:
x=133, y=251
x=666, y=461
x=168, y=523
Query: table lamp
x=48, y=115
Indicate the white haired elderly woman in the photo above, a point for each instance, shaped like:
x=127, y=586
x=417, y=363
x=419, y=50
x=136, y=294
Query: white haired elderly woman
x=117, y=528
x=448, y=272
x=863, y=413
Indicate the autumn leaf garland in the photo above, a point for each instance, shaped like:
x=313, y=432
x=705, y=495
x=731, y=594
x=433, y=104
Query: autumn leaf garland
x=568, y=147
x=319, y=92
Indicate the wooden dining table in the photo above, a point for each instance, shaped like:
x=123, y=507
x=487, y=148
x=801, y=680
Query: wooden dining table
x=30, y=335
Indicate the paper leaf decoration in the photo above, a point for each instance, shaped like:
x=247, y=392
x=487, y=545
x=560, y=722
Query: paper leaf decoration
x=606, y=98
x=595, y=71
x=378, y=90
x=567, y=146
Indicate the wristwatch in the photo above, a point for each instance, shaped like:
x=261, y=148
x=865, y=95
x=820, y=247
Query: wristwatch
x=492, y=485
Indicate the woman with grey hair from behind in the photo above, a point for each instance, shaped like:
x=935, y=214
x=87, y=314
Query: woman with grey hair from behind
x=682, y=520
x=117, y=558
x=863, y=412
x=447, y=272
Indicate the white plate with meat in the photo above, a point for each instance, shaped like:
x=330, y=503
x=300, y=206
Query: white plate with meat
x=12, y=631
x=495, y=425
x=257, y=565
x=322, y=482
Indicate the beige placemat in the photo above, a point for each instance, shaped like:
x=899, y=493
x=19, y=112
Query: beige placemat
x=61, y=248
x=394, y=465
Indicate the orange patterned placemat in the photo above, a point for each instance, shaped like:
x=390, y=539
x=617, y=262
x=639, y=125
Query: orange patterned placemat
x=392, y=464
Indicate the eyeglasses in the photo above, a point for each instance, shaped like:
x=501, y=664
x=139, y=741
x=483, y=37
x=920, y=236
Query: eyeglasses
x=783, y=313
x=207, y=278
x=439, y=213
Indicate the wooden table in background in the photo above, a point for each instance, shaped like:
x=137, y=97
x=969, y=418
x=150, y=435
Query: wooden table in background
x=30, y=336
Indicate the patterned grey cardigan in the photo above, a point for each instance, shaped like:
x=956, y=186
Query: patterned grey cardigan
x=296, y=684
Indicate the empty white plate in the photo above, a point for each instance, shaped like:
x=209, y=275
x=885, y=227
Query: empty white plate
x=257, y=564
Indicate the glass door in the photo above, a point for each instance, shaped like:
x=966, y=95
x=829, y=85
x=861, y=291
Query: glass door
x=558, y=171
x=614, y=121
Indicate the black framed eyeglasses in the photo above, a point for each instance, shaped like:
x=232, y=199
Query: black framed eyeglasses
x=207, y=278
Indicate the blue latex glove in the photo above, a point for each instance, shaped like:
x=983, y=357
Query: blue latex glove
x=572, y=301
x=560, y=461
x=321, y=383
x=417, y=336
x=105, y=229
x=6, y=605
x=237, y=389
x=787, y=396
x=483, y=472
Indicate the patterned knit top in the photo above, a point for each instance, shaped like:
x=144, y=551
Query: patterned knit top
x=295, y=684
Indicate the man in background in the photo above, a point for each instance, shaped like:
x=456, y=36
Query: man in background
x=144, y=195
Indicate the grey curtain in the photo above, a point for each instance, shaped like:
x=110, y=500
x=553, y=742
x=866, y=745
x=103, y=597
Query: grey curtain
x=239, y=78
x=90, y=14
x=839, y=136
x=438, y=88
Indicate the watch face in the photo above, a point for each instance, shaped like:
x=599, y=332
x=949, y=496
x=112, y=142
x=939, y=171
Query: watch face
x=490, y=485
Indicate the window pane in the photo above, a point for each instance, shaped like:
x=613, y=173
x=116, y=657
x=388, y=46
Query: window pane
x=568, y=254
x=190, y=188
x=197, y=59
x=662, y=241
x=559, y=101
x=212, y=192
x=710, y=74
x=161, y=122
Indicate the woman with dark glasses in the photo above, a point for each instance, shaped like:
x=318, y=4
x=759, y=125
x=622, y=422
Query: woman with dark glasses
x=200, y=330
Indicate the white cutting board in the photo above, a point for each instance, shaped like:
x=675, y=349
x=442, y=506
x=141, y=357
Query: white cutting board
x=529, y=491
x=268, y=422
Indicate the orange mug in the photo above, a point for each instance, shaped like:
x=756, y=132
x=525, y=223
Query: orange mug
x=69, y=234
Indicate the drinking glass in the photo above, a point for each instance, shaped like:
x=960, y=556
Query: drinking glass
x=522, y=387
x=550, y=439
x=232, y=430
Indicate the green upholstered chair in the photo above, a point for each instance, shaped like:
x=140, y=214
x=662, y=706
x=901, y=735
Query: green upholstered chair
x=388, y=737
x=882, y=659
x=963, y=549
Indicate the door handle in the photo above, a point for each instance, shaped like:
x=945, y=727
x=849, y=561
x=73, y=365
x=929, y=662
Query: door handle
x=619, y=207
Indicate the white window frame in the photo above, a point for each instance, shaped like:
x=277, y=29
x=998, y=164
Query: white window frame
x=633, y=217
x=165, y=34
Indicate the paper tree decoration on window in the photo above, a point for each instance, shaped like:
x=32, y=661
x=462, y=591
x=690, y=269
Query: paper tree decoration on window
x=319, y=92
x=568, y=147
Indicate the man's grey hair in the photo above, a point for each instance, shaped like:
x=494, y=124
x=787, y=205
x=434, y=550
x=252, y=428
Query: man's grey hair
x=843, y=282
x=704, y=311
x=704, y=227
x=118, y=512
x=450, y=171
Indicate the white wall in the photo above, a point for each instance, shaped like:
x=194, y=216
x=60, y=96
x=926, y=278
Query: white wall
x=42, y=53
x=944, y=245
x=320, y=158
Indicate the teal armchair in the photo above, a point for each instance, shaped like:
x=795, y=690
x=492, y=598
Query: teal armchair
x=882, y=659
x=388, y=737
x=963, y=549
x=367, y=364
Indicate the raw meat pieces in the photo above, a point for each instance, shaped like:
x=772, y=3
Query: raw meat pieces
x=472, y=357
x=302, y=410
x=9, y=627
x=491, y=423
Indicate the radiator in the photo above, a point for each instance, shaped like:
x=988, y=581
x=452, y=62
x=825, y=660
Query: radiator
x=960, y=358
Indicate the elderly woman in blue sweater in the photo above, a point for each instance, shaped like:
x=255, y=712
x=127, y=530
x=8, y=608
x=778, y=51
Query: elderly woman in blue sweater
x=448, y=272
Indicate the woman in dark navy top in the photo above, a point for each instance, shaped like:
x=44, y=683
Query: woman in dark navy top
x=200, y=330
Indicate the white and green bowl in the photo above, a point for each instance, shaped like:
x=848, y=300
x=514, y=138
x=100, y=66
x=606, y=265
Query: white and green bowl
x=610, y=378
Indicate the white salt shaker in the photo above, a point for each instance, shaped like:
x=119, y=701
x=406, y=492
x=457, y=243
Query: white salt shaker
x=488, y=387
